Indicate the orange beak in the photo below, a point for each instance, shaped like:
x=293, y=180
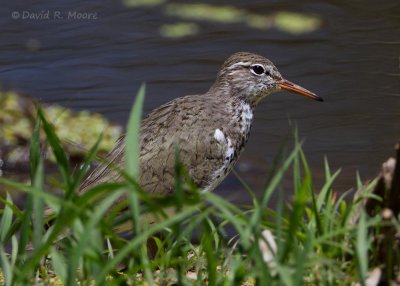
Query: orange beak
x=292, y=87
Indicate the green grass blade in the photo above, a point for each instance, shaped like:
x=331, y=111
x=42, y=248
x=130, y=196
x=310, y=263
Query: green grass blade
x=359, y=181
x=84, y=240
x=14, y=251
x=141, y=238
x=38, y=206
x=59, y=154
x=63, y=222
x=279, y=175
x=132, y=153
x=245, y=185
x=6, y=268
x=33, y=212
x=362, y=248
x=15, y=210
x=301, y=257
x=211, y=256
x=326, y=188
x=26, y=228
x=296, y=218
x=34, y=152
x=229, y=212
x=59, y=265
x=37, y=172
x=37, y=192
x=132, y=148
x=6, y=220
x=79, y=176
x=273, y=185
x=98, y=192
x=284, y=275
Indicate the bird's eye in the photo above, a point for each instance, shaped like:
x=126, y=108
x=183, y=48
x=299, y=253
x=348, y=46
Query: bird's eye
x=258, y=69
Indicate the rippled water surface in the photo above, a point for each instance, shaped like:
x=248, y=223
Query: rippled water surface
x=351, y=60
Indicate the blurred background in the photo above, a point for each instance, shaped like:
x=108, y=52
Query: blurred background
x=93, y=55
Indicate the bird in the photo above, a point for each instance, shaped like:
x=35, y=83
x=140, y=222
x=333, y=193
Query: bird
x=210, y=130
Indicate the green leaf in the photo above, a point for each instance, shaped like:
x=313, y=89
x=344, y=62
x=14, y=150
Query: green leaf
x=59, y=265
x=132, y=153
x=34, y=154
x=272, y=186
x=362, y=248
x=84, y=236
x=132, y=147
x=37, y=192
x=38, y=205
x=140, y=238
x=61, y=157
x=206, y=243
x=86, y=164
x=36, y=168
x=6, y=267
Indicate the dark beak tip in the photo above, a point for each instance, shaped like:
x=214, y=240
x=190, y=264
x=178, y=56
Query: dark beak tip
x=294, y=88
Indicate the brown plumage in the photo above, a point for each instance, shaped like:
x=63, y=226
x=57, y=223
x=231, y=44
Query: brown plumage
x=210, y=130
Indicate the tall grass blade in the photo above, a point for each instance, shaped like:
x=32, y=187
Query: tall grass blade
x=326, y=190
x=34, y=150
x=30, y=189
x=132, y=148
x=141, y=238
x=59, y=154
x=59, y=265
x=132, y=153
x=6, y=220
x=15, y=210
x=76, y=181
x=275, y=181
x=36, y=168
x=206, y=244
x=38, y=206
x=362, y=248
x=229, y=212
x=279, y=175
x=26, y=228
x=14, y=251
x=84, y=239
x=6, y=268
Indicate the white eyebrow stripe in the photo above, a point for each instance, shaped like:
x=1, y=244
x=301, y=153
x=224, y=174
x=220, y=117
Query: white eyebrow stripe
x=246, y=64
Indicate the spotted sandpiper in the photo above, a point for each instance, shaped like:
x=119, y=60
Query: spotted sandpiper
x=210, y=130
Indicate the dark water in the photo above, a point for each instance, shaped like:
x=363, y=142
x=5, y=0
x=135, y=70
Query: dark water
x=352, y=60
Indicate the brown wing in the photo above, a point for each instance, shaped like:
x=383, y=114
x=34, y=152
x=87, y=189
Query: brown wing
x=185, y=123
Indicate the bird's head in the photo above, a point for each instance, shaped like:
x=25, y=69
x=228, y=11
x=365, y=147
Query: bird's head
x=251, y=77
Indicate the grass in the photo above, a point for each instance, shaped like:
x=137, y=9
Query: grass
x=314, y=239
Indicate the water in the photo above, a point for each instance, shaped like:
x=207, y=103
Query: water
x=352, y=61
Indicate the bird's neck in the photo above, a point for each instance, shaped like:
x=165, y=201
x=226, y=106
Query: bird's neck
x=239, y=113
x=228, y=93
